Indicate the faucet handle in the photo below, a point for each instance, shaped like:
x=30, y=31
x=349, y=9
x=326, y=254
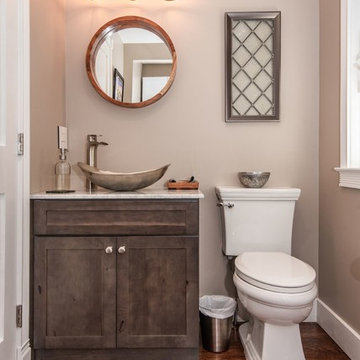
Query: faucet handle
x=94, y=139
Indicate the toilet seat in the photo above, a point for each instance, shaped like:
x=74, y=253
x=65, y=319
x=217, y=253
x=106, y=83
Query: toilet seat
x=275, y=271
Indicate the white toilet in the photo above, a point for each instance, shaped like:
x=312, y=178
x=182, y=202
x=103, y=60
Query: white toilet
x=275, y=288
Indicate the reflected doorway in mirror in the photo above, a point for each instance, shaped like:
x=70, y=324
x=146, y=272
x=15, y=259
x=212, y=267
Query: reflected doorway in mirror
x=150, y=86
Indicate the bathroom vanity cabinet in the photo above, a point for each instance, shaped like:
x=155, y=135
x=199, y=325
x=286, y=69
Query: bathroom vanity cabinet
x=115, y=279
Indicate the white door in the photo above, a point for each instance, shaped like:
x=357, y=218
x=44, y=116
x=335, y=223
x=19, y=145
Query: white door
x=152, y=85
x=103, y=67
x=13, y=114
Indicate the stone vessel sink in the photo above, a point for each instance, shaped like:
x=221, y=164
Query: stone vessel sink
x=122, y=181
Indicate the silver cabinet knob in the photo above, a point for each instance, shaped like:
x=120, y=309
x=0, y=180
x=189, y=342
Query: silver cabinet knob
x=109, y=250
x=122, y=249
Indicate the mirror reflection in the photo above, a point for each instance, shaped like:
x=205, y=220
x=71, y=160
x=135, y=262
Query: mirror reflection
x=132, y=65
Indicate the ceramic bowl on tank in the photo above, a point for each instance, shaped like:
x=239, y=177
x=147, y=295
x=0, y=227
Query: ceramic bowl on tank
x=253, y=179
x=122, y=181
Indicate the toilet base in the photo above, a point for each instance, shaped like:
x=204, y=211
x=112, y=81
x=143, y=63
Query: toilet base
x=263, y=341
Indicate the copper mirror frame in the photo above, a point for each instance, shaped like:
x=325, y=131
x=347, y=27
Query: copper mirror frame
x=120, y=24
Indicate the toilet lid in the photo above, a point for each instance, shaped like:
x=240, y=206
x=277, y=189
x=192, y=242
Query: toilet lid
x=275, y=271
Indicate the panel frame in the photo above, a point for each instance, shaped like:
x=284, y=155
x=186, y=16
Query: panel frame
x=349, y=173
x=3, y=77
x=190, y=338
x=108, y=217
x=2, y=265
x=14, y=119
x=264, y=15
x=41, y=340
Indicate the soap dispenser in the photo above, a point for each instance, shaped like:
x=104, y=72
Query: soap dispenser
x=62, y=167
x=62, y=172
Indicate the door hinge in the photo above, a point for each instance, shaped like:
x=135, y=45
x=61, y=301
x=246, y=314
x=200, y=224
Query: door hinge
x=20, y=144
x=19, y=316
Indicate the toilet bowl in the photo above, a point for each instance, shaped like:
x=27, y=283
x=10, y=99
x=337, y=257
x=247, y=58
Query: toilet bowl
x=275, y=288
x=278, y=291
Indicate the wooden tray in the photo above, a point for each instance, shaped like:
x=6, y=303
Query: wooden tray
x=182, y=185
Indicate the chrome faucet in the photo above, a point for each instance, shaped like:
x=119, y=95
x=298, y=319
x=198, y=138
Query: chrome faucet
x=92, y=145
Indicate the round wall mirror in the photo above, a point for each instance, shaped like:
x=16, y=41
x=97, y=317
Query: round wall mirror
x=131, y=62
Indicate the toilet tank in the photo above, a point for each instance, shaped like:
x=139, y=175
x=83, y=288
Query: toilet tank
x=256, y=219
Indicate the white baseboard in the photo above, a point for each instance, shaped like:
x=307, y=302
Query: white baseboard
x=340, y=331
x=24, y=352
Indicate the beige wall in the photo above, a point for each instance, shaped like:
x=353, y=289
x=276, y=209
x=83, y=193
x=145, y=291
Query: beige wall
x=187, y=129
x=150, y=70
x=339, y=255
x=47, y=91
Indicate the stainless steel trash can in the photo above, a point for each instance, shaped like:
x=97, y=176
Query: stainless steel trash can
x=215, y=333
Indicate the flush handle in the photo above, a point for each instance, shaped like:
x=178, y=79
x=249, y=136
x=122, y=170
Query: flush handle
x=122, y=249
x=228, y=205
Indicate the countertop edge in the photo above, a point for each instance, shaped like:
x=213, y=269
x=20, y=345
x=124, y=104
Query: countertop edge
x=140, y=194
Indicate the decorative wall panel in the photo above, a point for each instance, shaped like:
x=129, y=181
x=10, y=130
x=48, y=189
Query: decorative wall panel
x=253, y=66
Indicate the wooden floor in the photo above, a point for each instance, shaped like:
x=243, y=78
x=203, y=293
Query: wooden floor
x=317, y=346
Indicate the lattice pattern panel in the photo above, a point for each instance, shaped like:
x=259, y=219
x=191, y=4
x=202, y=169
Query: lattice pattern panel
x=253, y=57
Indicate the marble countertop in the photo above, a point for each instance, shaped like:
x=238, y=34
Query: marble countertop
x=104, y=194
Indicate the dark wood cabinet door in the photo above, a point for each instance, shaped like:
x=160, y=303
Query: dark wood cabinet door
x=157, y=292
x=74, y=292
